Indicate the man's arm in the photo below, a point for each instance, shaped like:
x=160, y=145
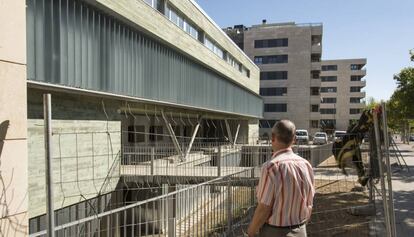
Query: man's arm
x=261, y=214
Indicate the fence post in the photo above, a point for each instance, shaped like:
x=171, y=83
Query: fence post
x=219, y=161
x=388, y=171
x=229, y=206
x=252, y=188
x=152, y=160
x=381, y=173
x=47, y=116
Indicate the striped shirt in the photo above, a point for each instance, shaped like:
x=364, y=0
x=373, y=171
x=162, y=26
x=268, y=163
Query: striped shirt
x=287, y=185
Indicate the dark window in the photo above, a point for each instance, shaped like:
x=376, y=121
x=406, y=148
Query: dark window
x=267, y=123
x=273, y=91
x=270, y=43
x=316, y=39
x=354, y=111
x=314, y=124
x=274, y=75
x=356, y=78
x=315, y=74
x=314, y=90
x=315, y=58
x=275, y=108
x=328, y=122
x=328, y=89
x=328, y=100
x=355, y=89
x=136, y=134
x=328, y=111
x=329, y=78
x=329, y=67
x=271, y=59
x=314, y=108
x=156, y=133
x=357, y=66
x=354, y=100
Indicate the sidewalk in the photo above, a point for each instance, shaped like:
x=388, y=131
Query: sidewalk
x=403, y=189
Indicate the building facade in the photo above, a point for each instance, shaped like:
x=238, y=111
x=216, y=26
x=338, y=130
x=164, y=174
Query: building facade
x=289, y=58
x=121, y=73
x=342, y=95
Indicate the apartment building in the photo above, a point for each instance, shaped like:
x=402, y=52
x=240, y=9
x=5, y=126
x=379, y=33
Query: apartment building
x=342, y=95
x=289, y=58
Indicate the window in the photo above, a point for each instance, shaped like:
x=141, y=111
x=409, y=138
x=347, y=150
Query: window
x=314, y=90
x=274, y=75
x=213, y=47
x=136, y=134
x=355, y=89
x=328, y=111
x=275, y=108
x=179, y=20
x=315, y=58
x=316, y=40
x=355, y=100
x=354, y=111
x=314, y=108
x=267, y=123
x=156, y=133
x=270, y=43
x=328, y=89
x=329, y=78
x=328, y=123
x=356, y=78
x=315, y=74
x=271, y=59
x=329, y=67
x=314, y=123
x=328, y=100
x=355, y=67
x=273, y=91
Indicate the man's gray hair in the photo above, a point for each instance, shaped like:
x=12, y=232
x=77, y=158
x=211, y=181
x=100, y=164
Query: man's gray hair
x=284, y=130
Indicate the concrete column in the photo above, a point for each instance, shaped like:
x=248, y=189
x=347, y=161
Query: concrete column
x=13, y=119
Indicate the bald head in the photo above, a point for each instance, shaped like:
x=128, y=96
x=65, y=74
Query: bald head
x=284, y=131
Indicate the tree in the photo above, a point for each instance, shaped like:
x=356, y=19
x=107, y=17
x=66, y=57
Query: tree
x=400, y=107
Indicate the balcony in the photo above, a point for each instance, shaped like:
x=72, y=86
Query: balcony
x=361, y=72
x=360, y=94
x=361, y=83
x=357, y=105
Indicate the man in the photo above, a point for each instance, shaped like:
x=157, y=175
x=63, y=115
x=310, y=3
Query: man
x=286, y=189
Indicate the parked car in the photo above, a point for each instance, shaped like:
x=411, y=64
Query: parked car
x=302, y=136
x=320, y=138
x=338, y=135
x=412, y=138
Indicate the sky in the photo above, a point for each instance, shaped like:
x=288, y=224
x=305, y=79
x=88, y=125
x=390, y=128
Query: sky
x=380, y=30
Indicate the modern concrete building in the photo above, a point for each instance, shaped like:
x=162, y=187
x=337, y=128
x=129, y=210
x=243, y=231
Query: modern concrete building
x=121, y=73
x=342, y=95
x=13, y=120
x=289, y=58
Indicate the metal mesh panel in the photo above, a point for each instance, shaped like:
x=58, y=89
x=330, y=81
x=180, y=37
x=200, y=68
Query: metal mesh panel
x=73, y=44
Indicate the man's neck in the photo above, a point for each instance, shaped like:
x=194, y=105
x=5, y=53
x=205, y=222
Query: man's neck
x=279, y=148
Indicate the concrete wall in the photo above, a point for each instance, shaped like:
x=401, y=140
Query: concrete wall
x=343, y=93
x=85, y=161
x=13, y=135
x=83, y=153
x=299, y=67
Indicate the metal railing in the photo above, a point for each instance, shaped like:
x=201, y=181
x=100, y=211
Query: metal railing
x=221, y=205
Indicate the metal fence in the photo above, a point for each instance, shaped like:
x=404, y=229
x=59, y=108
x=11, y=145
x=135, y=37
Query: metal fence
x=212, y=193
x=211, y=208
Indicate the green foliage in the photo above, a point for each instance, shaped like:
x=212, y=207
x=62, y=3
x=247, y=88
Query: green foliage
x=400, y=107
x=371, y=103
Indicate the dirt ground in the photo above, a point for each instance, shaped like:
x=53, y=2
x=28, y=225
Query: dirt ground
x=332, y=203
